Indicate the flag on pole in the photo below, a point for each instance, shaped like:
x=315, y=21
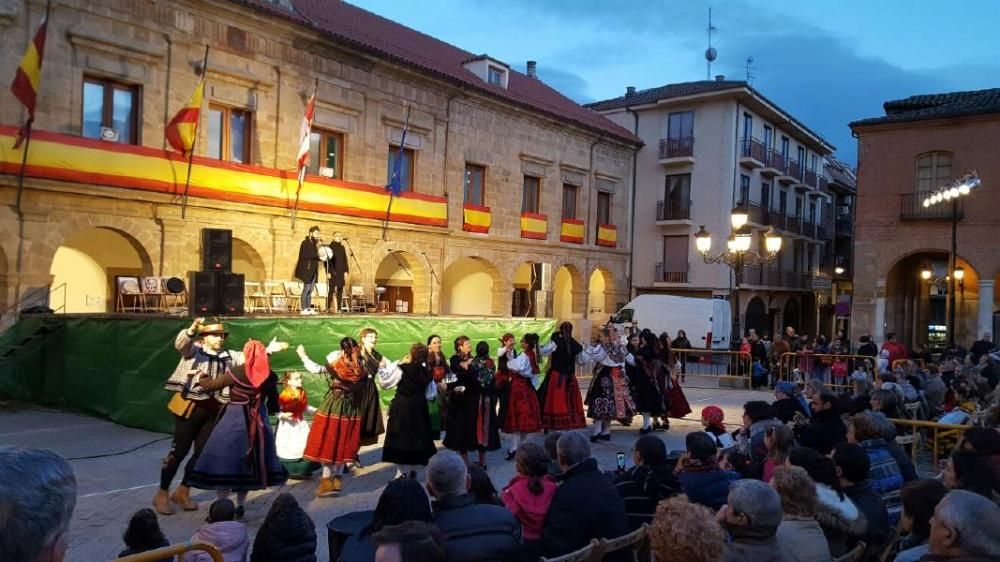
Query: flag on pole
x=395, y=185
x=183, y=128
x=28, y=77
x=306, y=133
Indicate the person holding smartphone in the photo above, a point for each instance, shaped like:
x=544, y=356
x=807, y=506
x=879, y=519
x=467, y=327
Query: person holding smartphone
x=650, y=480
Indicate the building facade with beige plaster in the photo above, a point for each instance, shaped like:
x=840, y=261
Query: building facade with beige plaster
x=484, y=143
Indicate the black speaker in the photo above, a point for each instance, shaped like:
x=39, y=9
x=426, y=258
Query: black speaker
x=216, y=249
x=204, y=297
x=231, y=290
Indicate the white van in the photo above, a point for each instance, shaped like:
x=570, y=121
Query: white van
x=706, y=321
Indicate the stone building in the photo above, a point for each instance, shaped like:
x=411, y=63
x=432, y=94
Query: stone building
x=516, y=199
x=923, y=143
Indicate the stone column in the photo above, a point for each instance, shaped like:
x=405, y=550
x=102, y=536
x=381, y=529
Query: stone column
x=985, y=324
x=879, y=328
x=503, y=298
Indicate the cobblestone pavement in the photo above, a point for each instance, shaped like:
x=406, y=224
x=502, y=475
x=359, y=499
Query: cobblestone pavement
x=111, y=488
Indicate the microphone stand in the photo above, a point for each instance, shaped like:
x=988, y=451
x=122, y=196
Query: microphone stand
x=430, y=302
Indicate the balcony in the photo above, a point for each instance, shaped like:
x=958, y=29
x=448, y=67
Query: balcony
x=670, y=211
x=757, y=214
x=671, y=272
x=911, y=207
x=808, y=229
x=823, y=184
x=793, y=173
x=793, y=225
x=809, y=178
x=776, y=218
x=794, y=280
x=677, y=152
x=752, y=153
x=845, y=226
x=775, y=164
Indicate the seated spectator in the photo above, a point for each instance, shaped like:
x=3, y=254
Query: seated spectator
x=550, y=447
x=224, y=531
x=471, y=531
x=482, y=486
x=888, y=431
x=529, y=494
x=836, y=514
x=799, y=534
x=887, y=402
x=402, y=500
x=757, y=417
x=699, y=474
x=814, y=387
x=779, y=441
x=685, y=531
x=825, y=429
x=143, y=534
x=586, y=505
x=984, y=440
x=862, y=393
x=411, y=541
x=713, y=418
x=735, y=462
x=37, y=497
x=787, y=402
x=648, y=482
x=752, y=515
x=957, y=529
x=287, y=533
x=852, y=470
x=920, y=497
x=883, y=470
x=934, y=391
x=973, y=472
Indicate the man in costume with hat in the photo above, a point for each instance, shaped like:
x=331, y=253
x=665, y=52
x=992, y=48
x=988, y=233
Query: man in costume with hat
x=195, y=409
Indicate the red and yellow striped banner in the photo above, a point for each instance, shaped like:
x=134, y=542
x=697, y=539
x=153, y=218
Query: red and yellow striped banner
x=477, y=219
x=182, y=130
x=572, y=231
x=607, y=235
x=74, y=159
x=534, y=226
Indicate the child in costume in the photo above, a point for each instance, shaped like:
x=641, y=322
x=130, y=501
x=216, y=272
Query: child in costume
x=293, y=429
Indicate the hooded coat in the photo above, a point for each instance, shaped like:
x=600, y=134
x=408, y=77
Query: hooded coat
x=287, y=534
x=230, y=537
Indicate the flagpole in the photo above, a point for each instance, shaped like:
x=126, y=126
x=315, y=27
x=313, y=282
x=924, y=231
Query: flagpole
x=27, y=133
x=395, y=176
x=194, y=143
x=302, y=170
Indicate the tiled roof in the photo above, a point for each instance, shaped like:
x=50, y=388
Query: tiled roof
x=841, y=173
x=937, y=106
x=385, y=38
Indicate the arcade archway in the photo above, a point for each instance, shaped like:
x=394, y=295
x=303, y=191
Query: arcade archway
x=93, y=266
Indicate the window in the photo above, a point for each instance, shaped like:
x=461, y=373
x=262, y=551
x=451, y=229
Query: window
x=933, y=171
x=747, y=126
x=531, y=194
x=405, y=168
x=680, y=125
x=796, y=256
x=765, y=195
x=475, y=185
x=495, y=75
x=744, y=190
x=675, y=259
x=812, y=212
x=677, y=192
x=813, y=162
x=768, y=135
x=798, y=207
x=783, y=202
x=110, y=104
x=603, y=207
x=326, y=150
x=801, y=152
x=569, y=201
x=228, y=134
x=784, y=148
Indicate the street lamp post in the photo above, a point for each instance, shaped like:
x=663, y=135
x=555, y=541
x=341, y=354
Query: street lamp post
x=738, y=254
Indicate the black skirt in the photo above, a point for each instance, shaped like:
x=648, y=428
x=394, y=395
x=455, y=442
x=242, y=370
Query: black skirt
x=371, y=413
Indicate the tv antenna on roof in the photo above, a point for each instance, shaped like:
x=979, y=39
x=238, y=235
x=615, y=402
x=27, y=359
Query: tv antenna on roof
x=750, y=69
x=710, y=53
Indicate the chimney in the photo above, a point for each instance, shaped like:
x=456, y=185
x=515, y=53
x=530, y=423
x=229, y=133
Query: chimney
x=720, y=77
x=531, y=69
x=629, y=91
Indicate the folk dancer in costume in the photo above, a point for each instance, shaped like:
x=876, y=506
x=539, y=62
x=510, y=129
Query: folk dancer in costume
x=293, y=429
x=195, y=410
x=409, y=439
x=677, y=403
x=646, y=377
x=487, y=424
x=437, y=364
x=608, y=397
x=562, y=404
x=524, y=415
x=307, y=268
x=471, y=418
x=240, y=454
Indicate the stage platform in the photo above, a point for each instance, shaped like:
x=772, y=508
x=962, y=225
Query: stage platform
x=115, y=365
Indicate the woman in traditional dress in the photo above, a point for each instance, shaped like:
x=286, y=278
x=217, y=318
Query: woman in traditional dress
x=409, y=441
x=240, y=454
x=437, y=364
x=681, y=342
x=649, y=375
x=373, y=365
x=463, y=404
x=335, y=436
x=293, y=429
x=503, y=380
x=524, y=415
x=487, y=424
x=608, y=397
x=562, y=404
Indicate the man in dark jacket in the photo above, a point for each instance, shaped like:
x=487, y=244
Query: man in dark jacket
x=752, y=515
x=472, y=532
x=981, y=347
x=825, y=429
x=585, y=506
x=337, y=268
x=786, y=402
x=307, y=267
x=852, y=468
x=868, y=347
x=650, y=481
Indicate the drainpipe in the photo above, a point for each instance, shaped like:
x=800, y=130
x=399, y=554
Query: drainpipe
x=631, y=224
x=593, y=186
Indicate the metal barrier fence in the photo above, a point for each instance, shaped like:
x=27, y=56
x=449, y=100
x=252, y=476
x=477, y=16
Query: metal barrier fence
x=938, y=432
x=823, y=366
x=900, y=363
x=175, y=550
x=721, y=364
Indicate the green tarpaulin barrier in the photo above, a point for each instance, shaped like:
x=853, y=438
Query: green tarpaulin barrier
x=116, y=367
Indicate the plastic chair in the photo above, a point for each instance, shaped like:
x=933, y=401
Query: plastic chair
x=593, y=552
x=637, y=542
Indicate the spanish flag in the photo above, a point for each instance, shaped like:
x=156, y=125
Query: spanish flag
x=28, y=78
x=607, y=235
x=533, y=225
x=183, y=128
x=476, y=219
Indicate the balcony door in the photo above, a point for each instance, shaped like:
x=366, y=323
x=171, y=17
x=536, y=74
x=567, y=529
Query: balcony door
x=677, y=197
x=675, y=259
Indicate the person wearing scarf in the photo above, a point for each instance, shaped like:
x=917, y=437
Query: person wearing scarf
x=240, y=454
x=293, y=430
x=523, y=412
x=609, y=397
x=468, y=424
x=562, y=404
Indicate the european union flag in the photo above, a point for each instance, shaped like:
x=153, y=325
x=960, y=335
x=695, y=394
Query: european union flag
x=395, y=185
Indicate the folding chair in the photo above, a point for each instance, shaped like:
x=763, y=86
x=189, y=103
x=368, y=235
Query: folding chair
x=293, y=289
x=358, y=301
x=636, y=542
x=154, y=298
x=256, y=298
x=130, y=295
x=319, y=296
x=277, y=298
x=176, y=291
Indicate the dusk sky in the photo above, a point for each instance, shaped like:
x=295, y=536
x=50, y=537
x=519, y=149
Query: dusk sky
x=828, y=63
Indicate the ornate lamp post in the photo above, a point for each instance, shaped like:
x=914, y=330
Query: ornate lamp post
x=738, y=254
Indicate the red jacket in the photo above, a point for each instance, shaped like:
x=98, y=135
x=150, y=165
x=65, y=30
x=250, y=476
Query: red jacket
x=528, y=508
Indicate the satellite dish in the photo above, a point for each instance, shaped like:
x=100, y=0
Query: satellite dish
x=711, y=54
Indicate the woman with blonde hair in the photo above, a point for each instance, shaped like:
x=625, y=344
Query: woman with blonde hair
x=799, y=534
x=685, y=531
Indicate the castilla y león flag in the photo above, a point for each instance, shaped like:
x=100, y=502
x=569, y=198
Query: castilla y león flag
x=183, y=128
x=28, y=78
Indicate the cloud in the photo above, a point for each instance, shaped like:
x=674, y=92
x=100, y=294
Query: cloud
x=568, y=84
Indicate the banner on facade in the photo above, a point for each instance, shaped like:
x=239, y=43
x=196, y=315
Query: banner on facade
x=607, y=235
x=534, y=226
x=572, y=231
x=476, y=219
